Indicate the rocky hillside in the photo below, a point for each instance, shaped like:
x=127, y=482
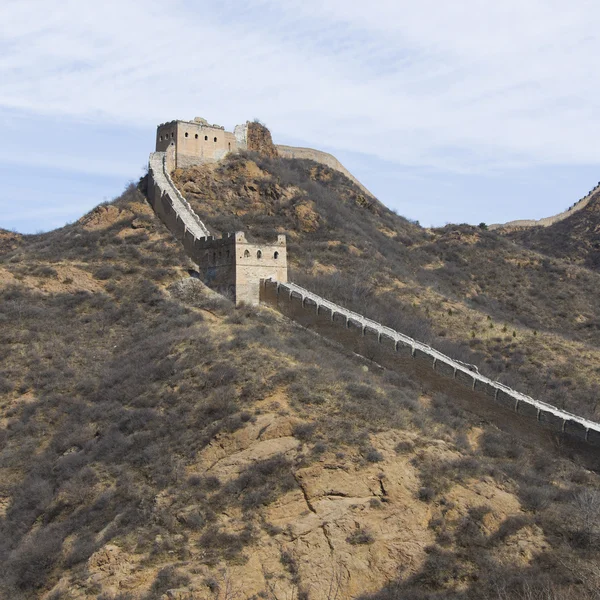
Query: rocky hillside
x=158, y=443
x=528, y=319
x=575, y=239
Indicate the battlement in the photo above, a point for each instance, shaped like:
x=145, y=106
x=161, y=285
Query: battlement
x=234, y=265
x=231, y=264
x=548, y=221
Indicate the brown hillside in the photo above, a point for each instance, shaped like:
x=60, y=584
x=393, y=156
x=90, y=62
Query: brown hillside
x=159, y=443
x=529, y=320
x=575, y=239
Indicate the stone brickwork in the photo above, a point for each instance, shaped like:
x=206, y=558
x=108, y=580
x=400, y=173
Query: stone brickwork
x=255, y=262
x=437, y=371
x=231, y=265
x=323, y=158
x=251, y=272
x=173, y=209
x=197, y=142
x=547, y=221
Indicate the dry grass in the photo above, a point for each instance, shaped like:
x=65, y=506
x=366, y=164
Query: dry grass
x=460, y=288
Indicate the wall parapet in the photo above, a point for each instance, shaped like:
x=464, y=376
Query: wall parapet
x=324, y=158
x=160, y=178
x=231, y=264
x=547, y=221
x=283, y=295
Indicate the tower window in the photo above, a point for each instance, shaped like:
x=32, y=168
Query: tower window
x=196, y=136
x=215, y=139
x=160, y=138
x=186, y=134
x=172, y=134
x=206, y=138
x=276, y=255
x=247, y=254
x=259, y=254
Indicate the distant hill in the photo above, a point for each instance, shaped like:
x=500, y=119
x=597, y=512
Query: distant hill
x=575, y=239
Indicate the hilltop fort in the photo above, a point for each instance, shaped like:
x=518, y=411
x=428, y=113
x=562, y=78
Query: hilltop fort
x=231, y=264
x=196, y=142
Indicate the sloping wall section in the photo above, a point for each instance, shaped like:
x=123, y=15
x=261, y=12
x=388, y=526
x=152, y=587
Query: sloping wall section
x=231, y=265
x=321, y=157
x=371, y=339
x=547, y=221
x=398, y=351
x=168, y=203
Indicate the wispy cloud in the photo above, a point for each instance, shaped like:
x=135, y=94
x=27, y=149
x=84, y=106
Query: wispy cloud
x=460, y=85
x=463, y=87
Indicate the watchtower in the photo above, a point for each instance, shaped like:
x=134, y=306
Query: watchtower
x=195, y=141
x=233, y=266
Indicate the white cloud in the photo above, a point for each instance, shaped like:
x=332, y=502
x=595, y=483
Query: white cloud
x=465, y=86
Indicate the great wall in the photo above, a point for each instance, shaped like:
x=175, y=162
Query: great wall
x=257, y=273
x=547, y=221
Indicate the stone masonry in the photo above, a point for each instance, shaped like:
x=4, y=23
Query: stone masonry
x=548, y=221
x=439, y=372
x=197, y=142
x=232, y=265
x=253, y=273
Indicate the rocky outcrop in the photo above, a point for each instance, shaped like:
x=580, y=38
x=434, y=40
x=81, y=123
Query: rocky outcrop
x=258, y=139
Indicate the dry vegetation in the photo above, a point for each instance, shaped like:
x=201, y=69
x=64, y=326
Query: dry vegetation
x=158, y=442
x=529, y=320
x=575, y=239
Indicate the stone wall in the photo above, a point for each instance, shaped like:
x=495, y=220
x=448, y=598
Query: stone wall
x=435, y=370
x=231, y=265
x=321, y=157
x=547, y=221
x=168, y=203
x=255, y=262
x=196, y=141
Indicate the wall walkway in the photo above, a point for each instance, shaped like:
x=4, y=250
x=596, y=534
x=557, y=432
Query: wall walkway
x=320, y=157
x=369, y=338
x=547, y=221
x=396, y=350
x=162, y=192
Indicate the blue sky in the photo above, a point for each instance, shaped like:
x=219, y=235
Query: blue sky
x=466, y=111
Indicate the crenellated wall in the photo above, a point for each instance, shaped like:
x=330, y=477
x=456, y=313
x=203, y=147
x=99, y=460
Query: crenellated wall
x=323, y=158
x=231, y=265
x=437, y=371
x=547, y=221
x=195, y=141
